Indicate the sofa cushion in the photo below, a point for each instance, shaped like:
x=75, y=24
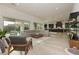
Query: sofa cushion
x=8, y=40
x=2, y=47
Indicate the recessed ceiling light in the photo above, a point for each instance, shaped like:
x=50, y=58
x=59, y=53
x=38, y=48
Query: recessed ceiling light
x=57, y=8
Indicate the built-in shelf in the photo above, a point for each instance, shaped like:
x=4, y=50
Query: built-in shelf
x=73, y=30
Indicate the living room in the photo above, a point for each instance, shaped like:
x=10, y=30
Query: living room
x=47, y=27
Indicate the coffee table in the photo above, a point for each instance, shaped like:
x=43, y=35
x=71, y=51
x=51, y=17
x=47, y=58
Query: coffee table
x=36, y=35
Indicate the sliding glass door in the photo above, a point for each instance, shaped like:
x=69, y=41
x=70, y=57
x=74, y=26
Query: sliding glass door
x=14, y=26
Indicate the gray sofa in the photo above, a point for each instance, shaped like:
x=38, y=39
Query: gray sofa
x=18, y=40
x=28, y=33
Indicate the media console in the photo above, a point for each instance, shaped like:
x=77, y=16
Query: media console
x=58, y=30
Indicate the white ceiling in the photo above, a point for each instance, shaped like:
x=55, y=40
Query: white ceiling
x=48, y=12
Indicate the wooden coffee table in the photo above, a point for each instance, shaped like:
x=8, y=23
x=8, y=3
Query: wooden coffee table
x=36, y=35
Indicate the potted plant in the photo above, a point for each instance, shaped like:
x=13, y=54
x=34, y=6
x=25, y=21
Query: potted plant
x=2, y=37
x=2, y=33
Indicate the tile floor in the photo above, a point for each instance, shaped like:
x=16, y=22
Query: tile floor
x=53, y=45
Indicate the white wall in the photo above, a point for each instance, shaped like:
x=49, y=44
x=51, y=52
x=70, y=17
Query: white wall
x=75, y=7
x=1, y=23
x=63, y=25
x=7, y=11
x=32, y=26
